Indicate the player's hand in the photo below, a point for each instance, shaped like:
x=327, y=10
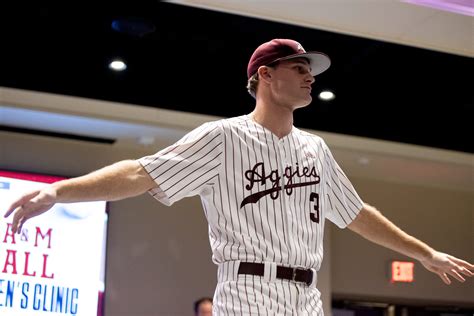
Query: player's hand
x=443, y=265
x=30, y=205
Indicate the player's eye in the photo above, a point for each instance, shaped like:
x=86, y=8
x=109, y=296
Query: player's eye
x=301, y=69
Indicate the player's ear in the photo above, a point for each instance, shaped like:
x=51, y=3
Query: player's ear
x=264, y=73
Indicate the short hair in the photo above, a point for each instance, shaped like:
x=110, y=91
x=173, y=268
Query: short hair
x=200, y=301
x=252, y=83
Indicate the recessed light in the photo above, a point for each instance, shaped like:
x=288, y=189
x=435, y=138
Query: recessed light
x=326, y=95
x=117, y=65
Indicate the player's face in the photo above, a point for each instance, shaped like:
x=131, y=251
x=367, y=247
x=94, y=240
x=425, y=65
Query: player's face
x=292, y=82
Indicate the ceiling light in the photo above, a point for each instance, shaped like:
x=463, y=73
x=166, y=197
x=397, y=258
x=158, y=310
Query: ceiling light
x=117, y=65
x=326, y=95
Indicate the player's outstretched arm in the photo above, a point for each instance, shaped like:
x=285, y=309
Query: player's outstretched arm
x=118, y=181
x=372, y=225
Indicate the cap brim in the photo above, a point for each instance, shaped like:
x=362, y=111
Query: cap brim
x=319, y=62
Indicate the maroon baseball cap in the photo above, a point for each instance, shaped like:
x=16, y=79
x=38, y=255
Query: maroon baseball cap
x=284, y=49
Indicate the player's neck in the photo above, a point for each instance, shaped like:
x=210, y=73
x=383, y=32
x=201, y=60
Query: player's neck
x=278, y=120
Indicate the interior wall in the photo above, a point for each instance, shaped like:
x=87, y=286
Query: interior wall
x=442, y=218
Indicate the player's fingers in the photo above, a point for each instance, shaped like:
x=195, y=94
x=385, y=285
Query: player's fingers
x=24, y=199
x=20, y=225
x=462, y=263
x=12, y=207
x=456, y=275
x=445, y=278
x=17, y=218
x=465, y=271
x=20, y=217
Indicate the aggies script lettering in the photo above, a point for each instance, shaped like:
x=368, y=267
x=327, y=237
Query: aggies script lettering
x=258, y=174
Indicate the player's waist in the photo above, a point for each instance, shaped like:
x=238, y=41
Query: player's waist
x=268, y=271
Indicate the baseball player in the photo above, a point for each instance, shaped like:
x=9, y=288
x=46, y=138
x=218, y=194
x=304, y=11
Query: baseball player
x=266, y=187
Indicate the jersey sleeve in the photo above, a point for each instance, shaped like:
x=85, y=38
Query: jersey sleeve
x=186, y=167
x=341, y=199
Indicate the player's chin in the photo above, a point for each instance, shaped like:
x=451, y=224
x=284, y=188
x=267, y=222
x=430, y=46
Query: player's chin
x=305, y=102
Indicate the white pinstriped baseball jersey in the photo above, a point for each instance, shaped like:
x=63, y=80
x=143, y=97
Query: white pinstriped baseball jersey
x=265, y=198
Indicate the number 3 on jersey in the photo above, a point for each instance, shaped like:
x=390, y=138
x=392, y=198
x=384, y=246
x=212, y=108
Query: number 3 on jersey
x=314, y=215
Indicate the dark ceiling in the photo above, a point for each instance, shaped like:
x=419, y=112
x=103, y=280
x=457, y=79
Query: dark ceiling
x=196, y=61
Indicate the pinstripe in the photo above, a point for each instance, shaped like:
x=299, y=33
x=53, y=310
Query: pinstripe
x=170, y=149
x=231, y=297
x=259, y=204
x=299, y=215
x=266, y=204
x=189, y=183
x=284, y=286
x=290, y=226
x=205, y=182
x=302, y=214
x=332, y=207
x=335, y=182
x=221, y=185
x=252, y=206
x=282, y=195
x=190, y=165
x=228, y=197
x=234, y=171
x=180, y=153
x=304, y=305
x=225, y=221
x=238, y=296
x=293, y=297
x=283, y=213
x=312, y=229
x=295, y=214
x=335, y=172
x=345, y=195
x=194, y=133
x=320, y=236
x=341, y=203
x=211, y=228
x=348, y=191
x=302, y=211
x=273, y=201
x=247, y=296
x=234, y=160
x=242, y=193
x=256, y=299
x=189, y=157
